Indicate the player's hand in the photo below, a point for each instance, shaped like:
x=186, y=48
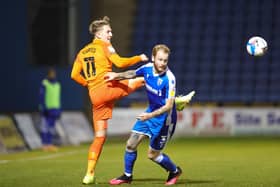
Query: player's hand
x=144, y=58
x=110, y=76
x=144, y=116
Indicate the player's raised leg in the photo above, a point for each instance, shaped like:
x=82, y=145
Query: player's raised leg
x=181, y=101
x=135, y=83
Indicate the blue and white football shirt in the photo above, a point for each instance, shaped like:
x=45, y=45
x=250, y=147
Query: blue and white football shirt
x=159, y=88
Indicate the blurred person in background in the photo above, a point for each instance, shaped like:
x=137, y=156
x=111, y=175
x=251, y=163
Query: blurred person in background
x=50, y=108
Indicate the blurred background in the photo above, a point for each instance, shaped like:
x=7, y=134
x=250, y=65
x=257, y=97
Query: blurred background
x=207, y=39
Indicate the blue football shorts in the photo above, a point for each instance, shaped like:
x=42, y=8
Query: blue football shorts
x=158, y=133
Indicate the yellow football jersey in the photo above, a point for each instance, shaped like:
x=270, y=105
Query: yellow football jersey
x=95, y=60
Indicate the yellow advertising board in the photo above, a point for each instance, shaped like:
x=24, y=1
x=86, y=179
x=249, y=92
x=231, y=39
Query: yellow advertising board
x=9, y=135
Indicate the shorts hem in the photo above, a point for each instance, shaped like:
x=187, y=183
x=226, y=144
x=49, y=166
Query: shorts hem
x=138, y=132
x=156, y=149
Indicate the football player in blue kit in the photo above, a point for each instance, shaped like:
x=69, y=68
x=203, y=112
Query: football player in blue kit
x=158, y=121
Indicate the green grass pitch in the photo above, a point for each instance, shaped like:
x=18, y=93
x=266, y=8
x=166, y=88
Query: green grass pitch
x=219, y=162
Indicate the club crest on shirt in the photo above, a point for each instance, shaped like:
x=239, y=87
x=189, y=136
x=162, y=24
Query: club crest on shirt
x=159, y=81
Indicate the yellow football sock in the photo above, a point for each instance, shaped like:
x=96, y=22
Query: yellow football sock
x=91, y=167
x=94, y=153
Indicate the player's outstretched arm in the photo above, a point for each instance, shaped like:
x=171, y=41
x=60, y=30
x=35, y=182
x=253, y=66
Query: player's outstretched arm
x=122, y=62
x=119, y=76
x=167, y=107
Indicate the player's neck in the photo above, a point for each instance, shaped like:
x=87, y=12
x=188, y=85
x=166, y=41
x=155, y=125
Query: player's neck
x=156, y=72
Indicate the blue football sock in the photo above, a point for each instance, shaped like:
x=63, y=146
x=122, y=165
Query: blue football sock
x=164, y=161
x=49, y=137
x=44, y=137
x=129, y=159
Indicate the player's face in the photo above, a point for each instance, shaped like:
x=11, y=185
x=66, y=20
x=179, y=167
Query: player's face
x=160, y=61
x=52, y=74
x=105, y=33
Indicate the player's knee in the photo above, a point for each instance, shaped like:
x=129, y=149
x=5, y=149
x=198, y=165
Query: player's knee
x=153, y=155
x=130, y=146
x=100, y=139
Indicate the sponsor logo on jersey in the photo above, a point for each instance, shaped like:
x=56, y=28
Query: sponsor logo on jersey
x=149, y=88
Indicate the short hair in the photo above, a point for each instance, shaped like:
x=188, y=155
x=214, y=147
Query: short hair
x=160, y=47
x=97, y=24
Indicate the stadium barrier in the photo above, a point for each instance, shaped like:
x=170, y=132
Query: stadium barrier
x=10, y=138
x=27, y=129
x=209, y=121
x=21, y=131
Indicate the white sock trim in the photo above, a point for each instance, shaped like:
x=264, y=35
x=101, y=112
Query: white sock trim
x=127, y=174
x=130, y=150
x=159, y=158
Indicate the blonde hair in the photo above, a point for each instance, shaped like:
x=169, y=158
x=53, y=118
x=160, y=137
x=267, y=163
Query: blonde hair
x=97, y=24
x=160, y=47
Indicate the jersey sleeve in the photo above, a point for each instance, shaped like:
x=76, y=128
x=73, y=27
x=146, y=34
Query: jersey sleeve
x=171, y=87
x=140, y=71
x=42, y=91
x=76, y=72
x=121, y=62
